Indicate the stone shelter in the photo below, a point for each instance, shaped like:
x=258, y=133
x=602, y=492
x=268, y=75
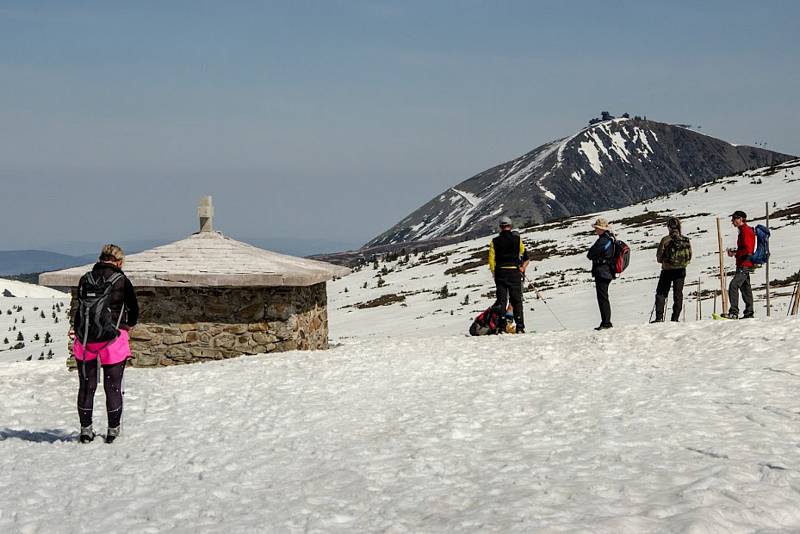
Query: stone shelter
x=209, y=297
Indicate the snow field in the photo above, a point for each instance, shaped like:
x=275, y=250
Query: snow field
x=662, y=428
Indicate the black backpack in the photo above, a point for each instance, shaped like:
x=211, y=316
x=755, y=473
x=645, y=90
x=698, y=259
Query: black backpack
x=93, y=321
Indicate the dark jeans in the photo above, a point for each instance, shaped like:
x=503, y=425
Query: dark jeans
x=112, y=385
x=740, y=282
x=601, y=286
x=508, y=284
x=674, y=278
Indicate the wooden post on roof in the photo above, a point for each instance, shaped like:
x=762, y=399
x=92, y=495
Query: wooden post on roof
x=722, y=270
x=206, y=213
x=766, y=266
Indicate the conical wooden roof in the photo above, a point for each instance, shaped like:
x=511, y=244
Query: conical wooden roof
x=209, y=259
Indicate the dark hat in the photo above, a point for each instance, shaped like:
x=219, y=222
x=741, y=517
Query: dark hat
x=739, y=214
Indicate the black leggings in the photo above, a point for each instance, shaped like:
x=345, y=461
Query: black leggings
x=112, y=384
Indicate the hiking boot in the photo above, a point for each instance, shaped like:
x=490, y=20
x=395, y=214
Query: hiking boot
x=657, y=320
x=112, y=434
x=731, y=315
x=520, y=330
x=87, y=434
x=748, y=316
x=604, y=326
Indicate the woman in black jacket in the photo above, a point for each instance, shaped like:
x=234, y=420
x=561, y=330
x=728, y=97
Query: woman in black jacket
x=601, y=254
x=107, y=309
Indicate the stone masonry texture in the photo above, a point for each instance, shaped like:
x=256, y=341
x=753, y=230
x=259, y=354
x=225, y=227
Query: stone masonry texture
x=190, y=324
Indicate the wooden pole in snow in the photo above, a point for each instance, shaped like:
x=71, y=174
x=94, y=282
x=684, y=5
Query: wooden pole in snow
x=766, y=267
x=722, y=270
x=699, y=300
x=796, y=298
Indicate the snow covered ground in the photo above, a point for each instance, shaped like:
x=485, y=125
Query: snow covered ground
x=406, y=425
x=663, y=428
x=21, y=322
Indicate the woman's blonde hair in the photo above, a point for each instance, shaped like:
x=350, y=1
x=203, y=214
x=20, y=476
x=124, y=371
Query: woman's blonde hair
x=112, y=252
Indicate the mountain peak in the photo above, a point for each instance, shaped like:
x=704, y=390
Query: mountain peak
x=608, y=164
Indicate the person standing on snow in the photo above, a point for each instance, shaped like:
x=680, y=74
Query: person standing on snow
x=745, y=246
x=674, y=253
x=508, y=261
x=102, y=338
x=602, y=253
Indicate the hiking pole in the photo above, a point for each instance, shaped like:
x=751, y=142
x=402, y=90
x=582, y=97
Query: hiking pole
x=652, y=311
x=795, y=297
x=546, y=305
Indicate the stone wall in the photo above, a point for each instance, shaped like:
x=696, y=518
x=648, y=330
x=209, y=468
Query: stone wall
x=185, y=324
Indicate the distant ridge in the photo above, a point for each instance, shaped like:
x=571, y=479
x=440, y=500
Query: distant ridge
x=609, y=164
x=13, y=262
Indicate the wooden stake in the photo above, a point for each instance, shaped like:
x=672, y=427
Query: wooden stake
x=796, y=298
x=699, y=300
x=722, y=270
x=766, y=266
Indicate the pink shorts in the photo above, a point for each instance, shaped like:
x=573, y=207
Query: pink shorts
x=110, y=352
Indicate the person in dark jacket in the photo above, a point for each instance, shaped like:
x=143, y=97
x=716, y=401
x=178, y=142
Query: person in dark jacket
x=745, y=246
x=508, y=260
x=601, y=254
x=111, y=353
x=674, y=247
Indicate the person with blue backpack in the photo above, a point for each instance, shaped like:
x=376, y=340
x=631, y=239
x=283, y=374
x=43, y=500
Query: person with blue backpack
x=601, y=254
x=745, y=247
x=106, y=309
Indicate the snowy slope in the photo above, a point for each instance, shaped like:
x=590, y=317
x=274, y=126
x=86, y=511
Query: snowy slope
x=648, y=430
x=22, y=289
x=563, y=276
x=24, y=316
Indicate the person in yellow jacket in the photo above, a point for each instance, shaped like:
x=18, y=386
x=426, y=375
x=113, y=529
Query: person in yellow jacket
x=508, y=260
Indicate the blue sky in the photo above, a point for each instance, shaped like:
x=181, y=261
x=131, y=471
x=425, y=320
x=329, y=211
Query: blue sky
x=333, y=120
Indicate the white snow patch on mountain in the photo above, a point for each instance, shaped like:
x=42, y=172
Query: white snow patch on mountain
x=589, y=149
x=512, y=180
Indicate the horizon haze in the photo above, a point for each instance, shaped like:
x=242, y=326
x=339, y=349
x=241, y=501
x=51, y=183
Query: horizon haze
x=331, y=121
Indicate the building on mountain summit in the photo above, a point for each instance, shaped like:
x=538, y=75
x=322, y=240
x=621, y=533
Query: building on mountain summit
x=209, y=297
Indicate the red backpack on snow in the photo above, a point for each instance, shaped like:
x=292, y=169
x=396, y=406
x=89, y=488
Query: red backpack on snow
x=487, y=323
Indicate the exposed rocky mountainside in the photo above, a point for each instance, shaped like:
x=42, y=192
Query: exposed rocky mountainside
x=607, y=165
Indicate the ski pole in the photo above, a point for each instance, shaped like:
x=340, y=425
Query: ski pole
x=540, y=297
